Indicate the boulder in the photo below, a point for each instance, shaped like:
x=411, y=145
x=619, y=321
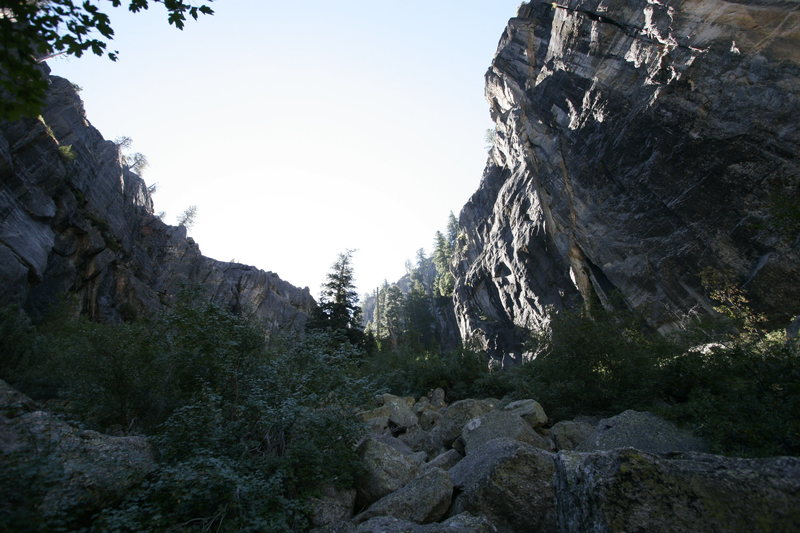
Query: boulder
x=509, y=482
x=437, y=398
x=568, y=434
x=423, y=404
x=385, y=470
x=332, y=506
x=454, y=418
x=494, y=424
x=90, y=470
x=530, y=411
x=424, y=499
x=428, y=418
x=630, y=490
x=445, y=460
x=643, y=431
x=386, y=524
x=462, y=523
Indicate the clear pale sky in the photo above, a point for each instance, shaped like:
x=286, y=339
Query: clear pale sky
x=301, y=129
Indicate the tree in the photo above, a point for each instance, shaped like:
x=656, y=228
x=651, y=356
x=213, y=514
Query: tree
x=443, y=250
x=338, y=301
x=135, y=161
x=34, y=30
x=188, y=217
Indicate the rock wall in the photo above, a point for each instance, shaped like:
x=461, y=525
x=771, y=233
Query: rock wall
x=74, y=219
x=638, y=143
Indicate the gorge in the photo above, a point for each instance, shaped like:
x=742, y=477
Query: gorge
x=643, y=150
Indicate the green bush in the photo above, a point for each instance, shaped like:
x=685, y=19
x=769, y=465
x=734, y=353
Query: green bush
x=743, y=397
x=245, y=431
x=742, y=393
x=461, y=374
x=596, y=365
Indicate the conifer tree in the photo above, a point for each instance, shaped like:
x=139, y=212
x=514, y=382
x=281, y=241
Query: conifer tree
x=338, y=302
x=443, y=250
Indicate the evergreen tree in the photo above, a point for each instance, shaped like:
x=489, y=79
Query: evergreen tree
x=443, y=250
x=338, y=302
x=393, y=313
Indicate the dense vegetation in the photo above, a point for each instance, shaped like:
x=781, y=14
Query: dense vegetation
x=248, y=426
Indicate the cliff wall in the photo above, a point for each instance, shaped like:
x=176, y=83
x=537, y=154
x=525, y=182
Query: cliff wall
x=638, y=144
x=75, y=220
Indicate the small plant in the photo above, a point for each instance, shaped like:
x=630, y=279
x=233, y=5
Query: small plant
x=188, y=217
x=66, y=152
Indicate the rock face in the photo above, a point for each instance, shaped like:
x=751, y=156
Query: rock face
x=74, y=219
x=507, y=485
x=89, y=469
x=638, y=143
x=643, y=431
x=630, y=490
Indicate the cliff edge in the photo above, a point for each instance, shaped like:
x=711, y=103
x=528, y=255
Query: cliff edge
x=74, y=219
x=638, y=144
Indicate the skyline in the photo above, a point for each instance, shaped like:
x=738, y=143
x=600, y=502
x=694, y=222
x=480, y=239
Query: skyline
x=323, y=128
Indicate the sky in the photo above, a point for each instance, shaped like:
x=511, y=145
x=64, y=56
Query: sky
x=303, y=129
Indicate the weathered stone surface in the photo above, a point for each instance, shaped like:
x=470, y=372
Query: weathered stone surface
x=437, y=398
x=643, y=431
x=385, y=470
x=637, y=144
x=445, y=460
x=530, y=410
x=332, y=506
x=494, y=424
x=568, y=434
x=86, y=226
x=416, y=439
x=424, y=499
x=428, y=418
x=509, y=482
x=94, y=470
x=454, y=418
x=387, y=524
x=630, y=490
x=401, y=413
x=462, y=523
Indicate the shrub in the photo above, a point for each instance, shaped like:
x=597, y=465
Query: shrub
x=245, y=431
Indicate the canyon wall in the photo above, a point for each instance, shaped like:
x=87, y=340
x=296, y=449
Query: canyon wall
x=638, y=144
x=75, y=220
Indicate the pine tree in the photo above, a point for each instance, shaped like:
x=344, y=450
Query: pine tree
x=338, y=301
x=443, y=249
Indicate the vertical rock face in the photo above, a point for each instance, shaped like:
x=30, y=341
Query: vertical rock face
x=638, y=143
x=74, y=220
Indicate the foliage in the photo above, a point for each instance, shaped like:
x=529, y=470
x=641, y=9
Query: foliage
x=188, y=217
x=135, y=161
x=245, y=429
x=461, y=373
x=405, y=313
x=443, y=249
x=490, y=138
x=26, y=479
x=66, y=152
x=32, y=31
x=338, y=310
x=595, y=364
x=741, y=392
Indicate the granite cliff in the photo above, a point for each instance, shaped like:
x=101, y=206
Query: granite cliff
x=638, y=144
x=74, y=219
